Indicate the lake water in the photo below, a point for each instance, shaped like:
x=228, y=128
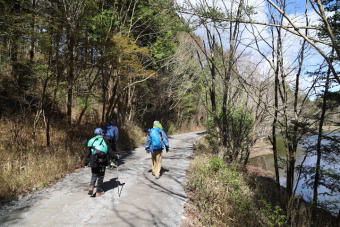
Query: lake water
x=325, y=195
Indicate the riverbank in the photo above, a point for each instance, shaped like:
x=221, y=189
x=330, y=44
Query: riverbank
x=328, y=198
x=231, y=195
x=261, y=147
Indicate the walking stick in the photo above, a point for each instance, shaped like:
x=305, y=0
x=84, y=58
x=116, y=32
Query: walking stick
x=118, y=183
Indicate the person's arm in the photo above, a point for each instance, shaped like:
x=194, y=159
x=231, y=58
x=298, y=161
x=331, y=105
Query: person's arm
x=165, y=139
x=148, y=142
x=87, y=156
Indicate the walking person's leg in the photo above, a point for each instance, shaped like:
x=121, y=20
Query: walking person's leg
x=94, y=178
x=153, y=162
x=114, y=163
x=158, y=163
x=101, y=174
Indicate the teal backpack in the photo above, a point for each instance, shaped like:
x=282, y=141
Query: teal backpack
x=98, y=148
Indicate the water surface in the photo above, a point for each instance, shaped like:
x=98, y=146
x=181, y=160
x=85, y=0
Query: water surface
x=325, y=195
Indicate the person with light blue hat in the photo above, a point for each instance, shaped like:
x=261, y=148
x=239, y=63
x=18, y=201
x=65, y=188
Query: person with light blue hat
x=99, y=155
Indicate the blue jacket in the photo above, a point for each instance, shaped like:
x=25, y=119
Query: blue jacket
x=110, y=132
x=164, y=140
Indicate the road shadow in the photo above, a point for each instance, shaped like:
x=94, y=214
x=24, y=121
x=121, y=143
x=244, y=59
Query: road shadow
x=202, y=133
x=111, y=184
x=155, y=185
x=163, y=170
x=122, y=155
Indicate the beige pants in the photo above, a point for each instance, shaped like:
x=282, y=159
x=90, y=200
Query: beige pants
x=156, y=164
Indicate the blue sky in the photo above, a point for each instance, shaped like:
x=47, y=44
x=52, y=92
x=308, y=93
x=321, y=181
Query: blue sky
x=296, y=10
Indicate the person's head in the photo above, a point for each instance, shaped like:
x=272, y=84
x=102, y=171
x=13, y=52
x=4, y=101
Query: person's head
x=157, y=124
x=111, y=122
x=98, y=131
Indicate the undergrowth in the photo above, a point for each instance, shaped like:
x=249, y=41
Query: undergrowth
x=224, y=198
x=232, y=195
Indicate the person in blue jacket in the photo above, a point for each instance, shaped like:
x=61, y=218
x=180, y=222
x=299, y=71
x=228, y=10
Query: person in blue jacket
x=112, y=135
x=155, y=142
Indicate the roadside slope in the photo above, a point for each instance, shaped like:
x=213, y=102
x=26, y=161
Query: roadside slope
x=143, y=201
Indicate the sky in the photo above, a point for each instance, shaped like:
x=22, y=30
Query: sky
x=296, y=11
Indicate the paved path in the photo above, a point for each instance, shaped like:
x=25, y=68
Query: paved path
x=143, y=200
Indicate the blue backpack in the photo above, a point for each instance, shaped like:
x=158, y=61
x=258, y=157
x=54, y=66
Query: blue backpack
x=109, y=134
x=156, y=139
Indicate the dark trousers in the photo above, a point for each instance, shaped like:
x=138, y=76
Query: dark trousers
x=98, y=174
x=114, y=151
x=113, y=145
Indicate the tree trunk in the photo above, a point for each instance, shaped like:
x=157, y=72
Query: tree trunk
x=70, y=77
x=318, y=146
x=274, y=142
x=32, y=50
x=87, y=99
x=104, y=94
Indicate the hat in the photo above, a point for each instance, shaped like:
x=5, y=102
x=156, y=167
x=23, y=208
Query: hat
x=98, y=131
x=156, y=124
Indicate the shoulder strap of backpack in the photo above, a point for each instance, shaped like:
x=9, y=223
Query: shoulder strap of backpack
x=160, y=134
x=94, y=141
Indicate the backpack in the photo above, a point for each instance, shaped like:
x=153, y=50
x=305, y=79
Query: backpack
x=98, y=150
x=109, y=134
x=156, y=139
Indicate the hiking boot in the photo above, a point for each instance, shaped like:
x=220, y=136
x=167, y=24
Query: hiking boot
x=91, y=188
x=113, y=165
x=98, y=194
x=157, y=177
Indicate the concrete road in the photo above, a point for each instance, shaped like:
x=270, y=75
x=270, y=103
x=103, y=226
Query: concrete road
x=133, y=196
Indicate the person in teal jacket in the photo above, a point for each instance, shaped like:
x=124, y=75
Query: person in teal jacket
x=98, y=156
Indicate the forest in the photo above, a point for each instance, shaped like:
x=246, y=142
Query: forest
x=243, y=71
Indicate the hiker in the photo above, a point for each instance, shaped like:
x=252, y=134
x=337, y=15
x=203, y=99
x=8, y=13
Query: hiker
x=155, y=142
x=98, y=155
x=112, y=135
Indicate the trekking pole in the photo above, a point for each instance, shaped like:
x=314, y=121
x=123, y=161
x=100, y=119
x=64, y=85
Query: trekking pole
x=118, y=174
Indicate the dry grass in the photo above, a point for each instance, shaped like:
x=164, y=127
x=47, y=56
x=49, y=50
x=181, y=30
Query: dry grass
x=130, y=136
x=27, y=164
